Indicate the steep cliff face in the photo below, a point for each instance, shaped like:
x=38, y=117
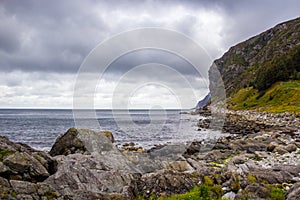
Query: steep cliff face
x=274, y=53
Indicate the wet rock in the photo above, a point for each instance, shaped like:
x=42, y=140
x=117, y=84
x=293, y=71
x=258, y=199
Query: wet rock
x=80, y=141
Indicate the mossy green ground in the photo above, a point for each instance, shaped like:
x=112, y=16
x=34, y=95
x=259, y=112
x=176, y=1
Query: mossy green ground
x=281, y=97
x=197, y=193
x=4, y=153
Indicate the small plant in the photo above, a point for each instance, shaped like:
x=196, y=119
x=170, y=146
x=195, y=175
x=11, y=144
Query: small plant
x=277, y=193
x=13, y=194
x=251, y=178
x=208, y=181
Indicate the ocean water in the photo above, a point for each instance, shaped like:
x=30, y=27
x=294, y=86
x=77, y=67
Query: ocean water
x=39, y=127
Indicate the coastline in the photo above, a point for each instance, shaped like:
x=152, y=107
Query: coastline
x=260, y=157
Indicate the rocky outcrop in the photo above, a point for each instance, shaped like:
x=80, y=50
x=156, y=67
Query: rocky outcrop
x=21, y=162
x=22, y=169
x=89, y=164
x=204, y=102
x=249, y=122
x=80, y=141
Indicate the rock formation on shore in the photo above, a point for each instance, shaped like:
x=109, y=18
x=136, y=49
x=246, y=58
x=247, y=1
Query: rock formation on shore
x=87, y=165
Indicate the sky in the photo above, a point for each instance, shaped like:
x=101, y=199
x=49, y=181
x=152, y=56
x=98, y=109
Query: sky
x=44, y=43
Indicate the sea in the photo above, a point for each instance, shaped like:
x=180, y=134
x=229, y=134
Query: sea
x=39, y=128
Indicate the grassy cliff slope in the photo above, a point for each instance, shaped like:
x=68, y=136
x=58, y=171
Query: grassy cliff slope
x=263, y=72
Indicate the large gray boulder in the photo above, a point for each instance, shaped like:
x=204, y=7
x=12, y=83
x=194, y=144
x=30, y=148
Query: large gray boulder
x=90, y=165
x=21, y=162
x=22, y=169
x=81, y=141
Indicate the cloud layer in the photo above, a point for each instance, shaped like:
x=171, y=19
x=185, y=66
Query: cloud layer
x=43, y=43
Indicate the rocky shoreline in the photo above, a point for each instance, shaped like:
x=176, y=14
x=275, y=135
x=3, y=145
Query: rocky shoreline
x=259, y=159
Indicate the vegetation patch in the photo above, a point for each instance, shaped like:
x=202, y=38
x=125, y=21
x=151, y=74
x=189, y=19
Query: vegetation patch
x=202, y=192
x=4, y=153
x=277, y=193
x=281, y=97
x=251, y=178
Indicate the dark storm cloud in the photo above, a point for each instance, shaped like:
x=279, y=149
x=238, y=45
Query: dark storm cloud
x=47, y=36
x=140, y=57
x=9, y=36
x=56, y=36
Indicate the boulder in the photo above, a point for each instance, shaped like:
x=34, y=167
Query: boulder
x=81, y=141
x=277, y=174
x=90, y=165
x=165, y=182
x=291, y=147
x=95, y=173
x=280, y=150
x=21, y=162
x=181, y=166
x=29, y=190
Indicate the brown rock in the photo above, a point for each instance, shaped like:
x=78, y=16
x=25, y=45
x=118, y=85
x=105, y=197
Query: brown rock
x=271, y=146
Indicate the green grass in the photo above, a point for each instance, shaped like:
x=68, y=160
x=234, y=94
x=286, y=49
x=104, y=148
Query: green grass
x=277, y=193
x=281, y=97
x=197, y=193
x=201, y=192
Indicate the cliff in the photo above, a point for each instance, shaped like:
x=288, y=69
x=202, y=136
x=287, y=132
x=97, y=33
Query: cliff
x=253, y=67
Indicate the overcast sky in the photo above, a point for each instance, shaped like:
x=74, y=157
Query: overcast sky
x=43, y=44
